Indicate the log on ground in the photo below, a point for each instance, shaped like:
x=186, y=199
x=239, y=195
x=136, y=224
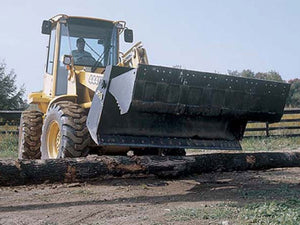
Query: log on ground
x=20, y=172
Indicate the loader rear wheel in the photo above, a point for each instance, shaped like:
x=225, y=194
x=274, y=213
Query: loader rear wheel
x=30, y=131
x=64, y=132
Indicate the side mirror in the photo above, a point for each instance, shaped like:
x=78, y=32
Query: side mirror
x=46, y=27
x=128, y=35
x=67, y=60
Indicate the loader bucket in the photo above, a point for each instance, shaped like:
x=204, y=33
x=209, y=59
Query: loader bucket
x=154, y=106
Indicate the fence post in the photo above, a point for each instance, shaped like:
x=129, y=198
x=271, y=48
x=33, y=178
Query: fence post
x=267, y=129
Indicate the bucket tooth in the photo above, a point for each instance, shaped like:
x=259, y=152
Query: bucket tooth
x=121, y=87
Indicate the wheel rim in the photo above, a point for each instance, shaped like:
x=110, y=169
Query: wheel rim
x=53, y=138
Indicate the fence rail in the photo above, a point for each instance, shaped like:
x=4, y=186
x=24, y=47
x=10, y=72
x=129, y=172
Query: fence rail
x=288, y=126
x=9, y=120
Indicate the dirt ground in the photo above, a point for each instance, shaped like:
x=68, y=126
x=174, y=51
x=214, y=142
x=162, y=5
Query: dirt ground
x=143, y=200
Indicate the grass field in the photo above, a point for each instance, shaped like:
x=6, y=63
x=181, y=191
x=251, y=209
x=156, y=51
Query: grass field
x=8, y=146
x=270, y=143
x=270, y=212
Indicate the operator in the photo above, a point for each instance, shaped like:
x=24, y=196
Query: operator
x=81, y=56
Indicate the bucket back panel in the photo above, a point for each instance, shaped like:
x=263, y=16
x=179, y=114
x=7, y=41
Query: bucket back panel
x=169, y=107
x=211, y=94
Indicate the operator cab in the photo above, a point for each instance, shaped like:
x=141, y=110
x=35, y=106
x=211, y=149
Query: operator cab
x=90, y=43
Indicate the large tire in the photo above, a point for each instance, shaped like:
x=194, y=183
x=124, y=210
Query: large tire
x=30, y=135
x=64, y=131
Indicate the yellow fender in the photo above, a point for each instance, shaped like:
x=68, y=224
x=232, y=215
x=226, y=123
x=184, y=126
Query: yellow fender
x=40, y=99
x=71, y=98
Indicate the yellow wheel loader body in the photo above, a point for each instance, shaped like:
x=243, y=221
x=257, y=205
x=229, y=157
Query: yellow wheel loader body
x=123, y=102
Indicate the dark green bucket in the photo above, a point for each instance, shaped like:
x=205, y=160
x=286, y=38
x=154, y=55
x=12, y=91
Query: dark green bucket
x=153, y=106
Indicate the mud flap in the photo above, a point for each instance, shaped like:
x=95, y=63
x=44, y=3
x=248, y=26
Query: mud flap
x=154, y=106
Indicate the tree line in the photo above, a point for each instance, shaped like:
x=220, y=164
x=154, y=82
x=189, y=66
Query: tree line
x=12, y=97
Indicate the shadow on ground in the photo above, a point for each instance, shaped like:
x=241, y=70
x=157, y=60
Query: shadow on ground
x=238, y=187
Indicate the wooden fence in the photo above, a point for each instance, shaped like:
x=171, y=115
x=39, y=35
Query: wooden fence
x=9, y=122
x=288, y=126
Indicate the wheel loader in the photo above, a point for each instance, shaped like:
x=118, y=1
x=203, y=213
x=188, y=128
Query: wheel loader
x=97, y=99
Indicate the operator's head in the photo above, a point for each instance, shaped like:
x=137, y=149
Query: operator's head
x=80, y=43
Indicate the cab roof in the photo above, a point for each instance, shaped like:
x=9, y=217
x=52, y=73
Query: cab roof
x=58, y=17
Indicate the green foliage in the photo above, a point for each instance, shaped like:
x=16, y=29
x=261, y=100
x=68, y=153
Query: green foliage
x=208, y=213
x=245, y=73
x=271, y=75
x=277, y=191
x=270, y=143
x=8, y=146
x=293, y=99
x=11, y=97
x=274, y=212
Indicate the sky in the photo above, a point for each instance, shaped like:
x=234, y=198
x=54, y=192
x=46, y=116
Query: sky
x=202, y=35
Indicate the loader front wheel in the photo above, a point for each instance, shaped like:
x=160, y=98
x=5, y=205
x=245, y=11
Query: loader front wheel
x=30, y=135
x=64, y=132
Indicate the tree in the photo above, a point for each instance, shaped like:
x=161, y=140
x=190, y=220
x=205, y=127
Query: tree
x=233, y=73
x=245, y=73
x=293, y=99
x=271, y=75
x=11, y=98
